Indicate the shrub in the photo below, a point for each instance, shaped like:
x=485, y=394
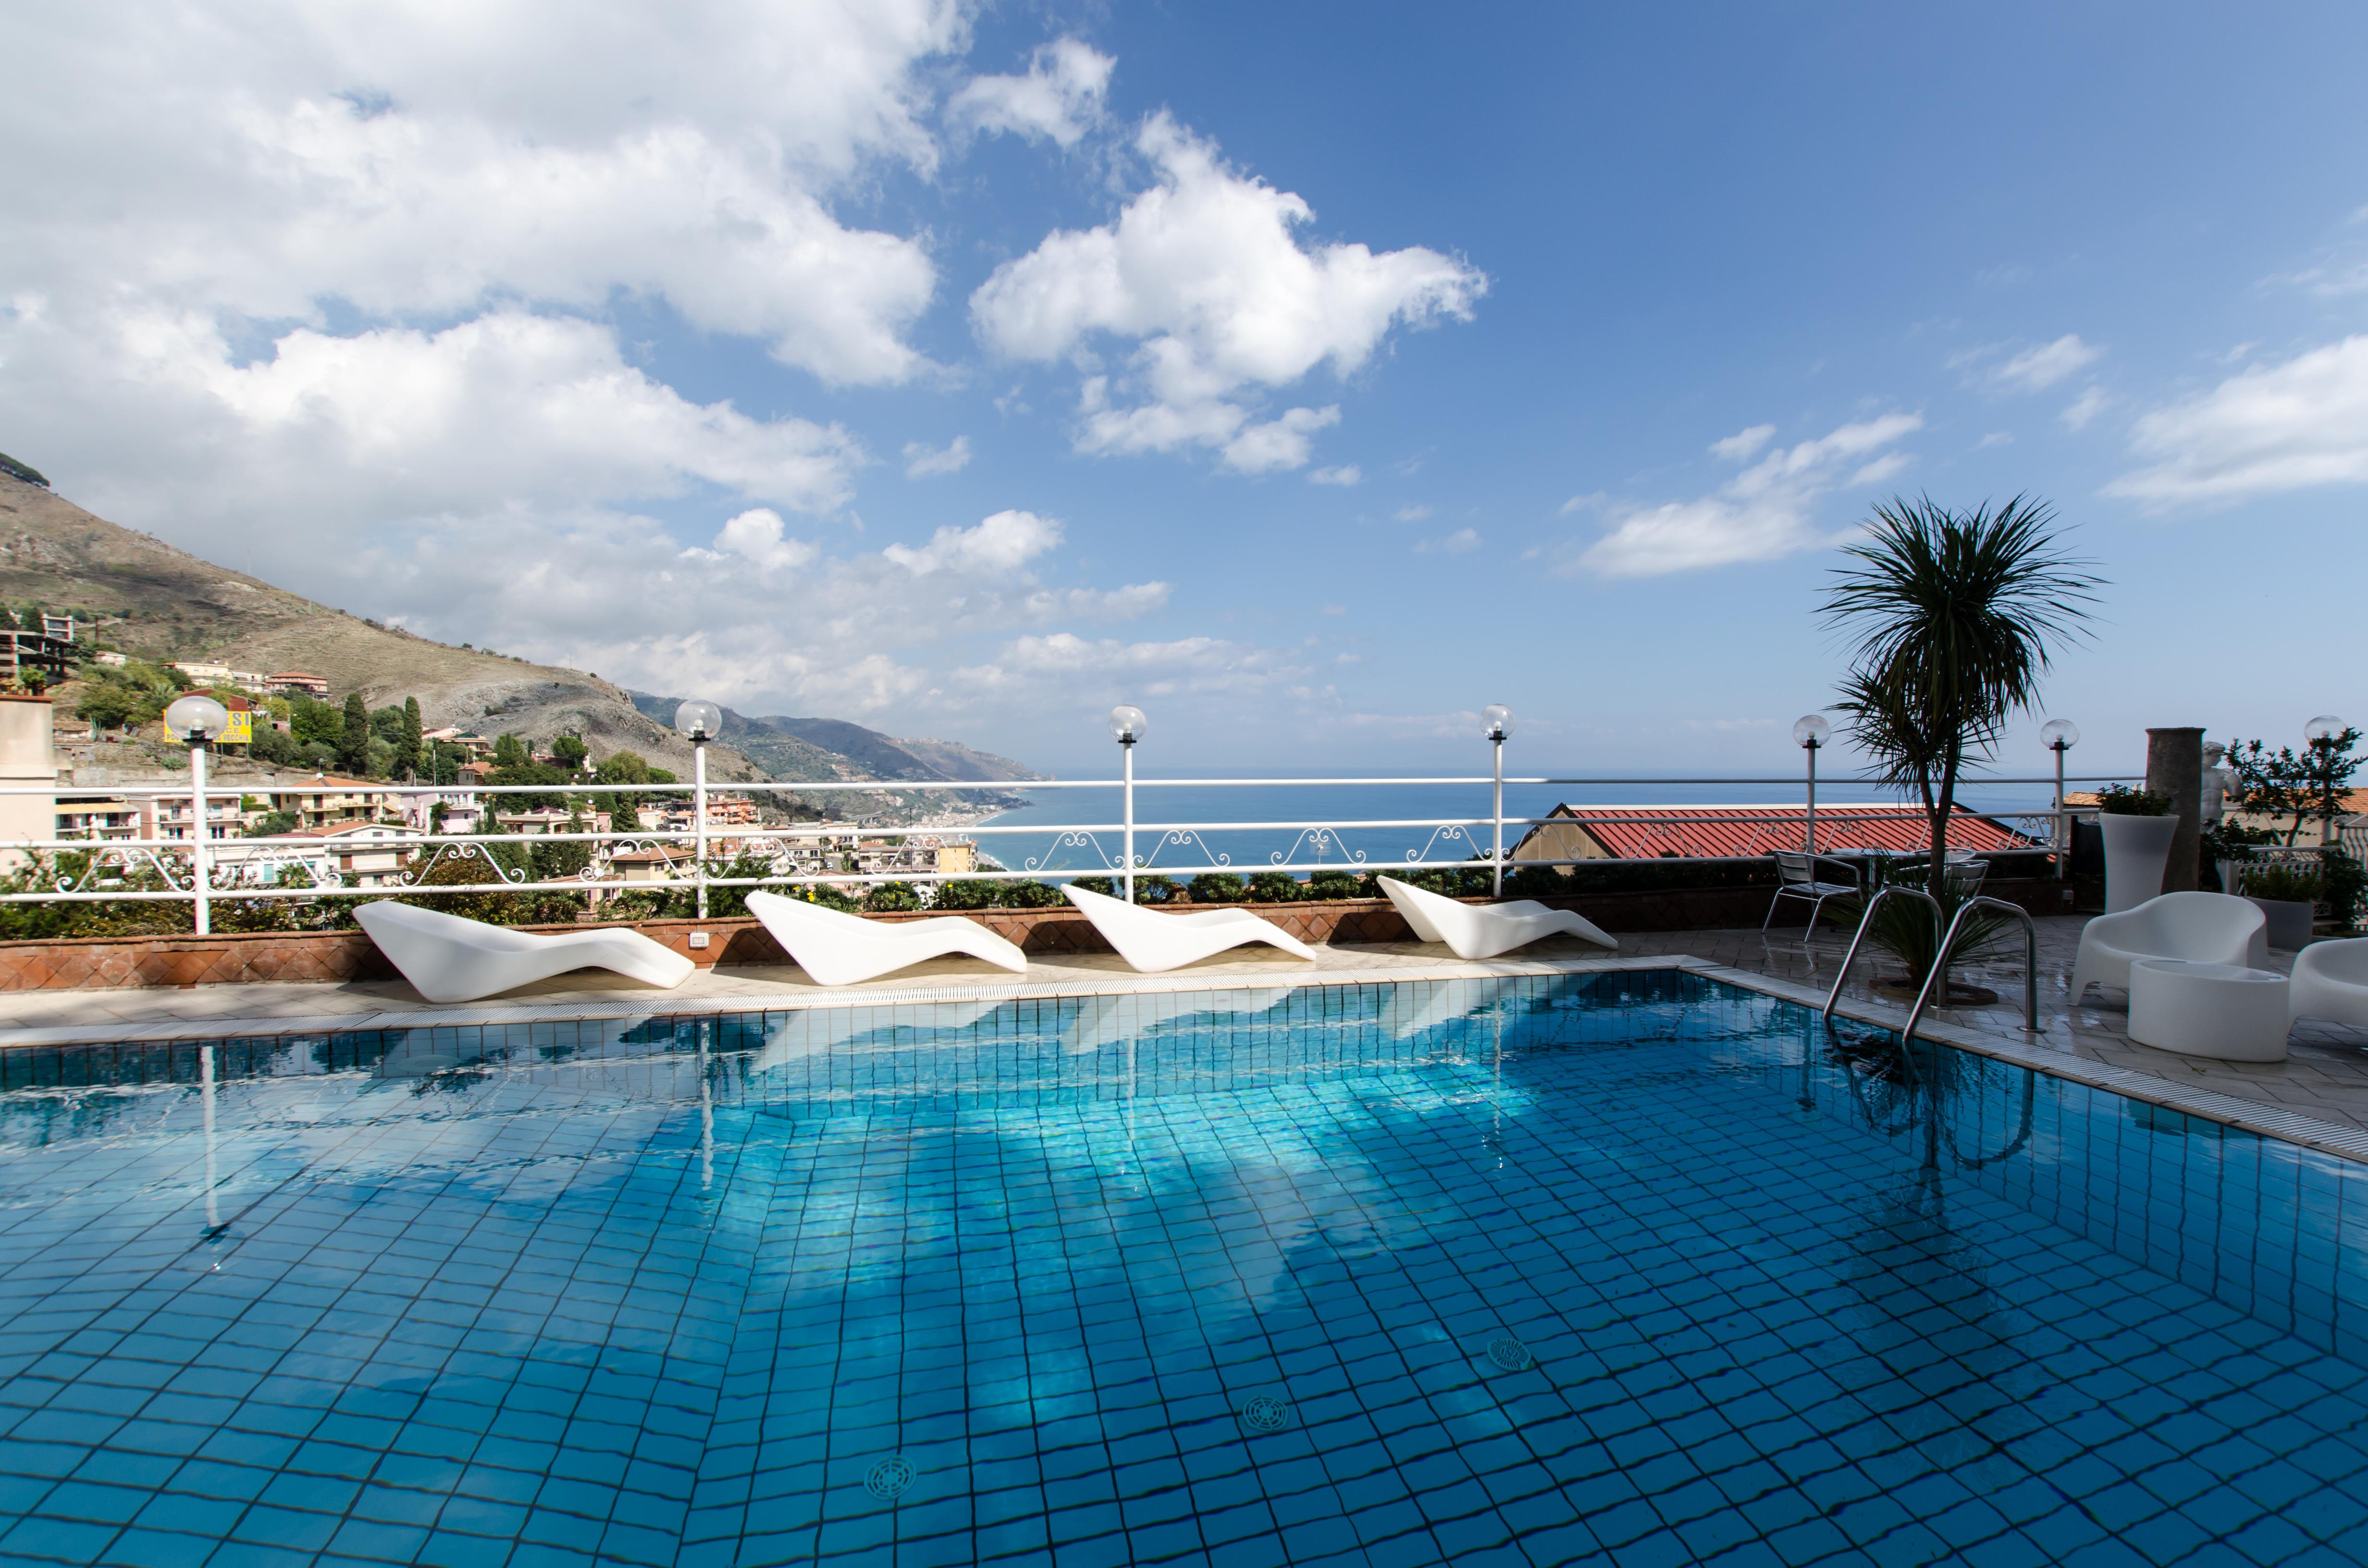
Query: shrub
x=2343, y=884
x=1274, y=887
x=1030, y=895
x=1335, y=884
x=966, y=893
x=1102, y=885
x=2290, y=884
x=1537, y=881
x=891, y=898
x=1155, y=889
x=1219, y=886
x=458, y=866
x=2121, y=800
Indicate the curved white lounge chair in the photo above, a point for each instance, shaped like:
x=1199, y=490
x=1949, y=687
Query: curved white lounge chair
x=1484, y=930
x=1151, y=941
x=2203, y=927
x=840, y=949
x=2330, y=981
x=448, y=958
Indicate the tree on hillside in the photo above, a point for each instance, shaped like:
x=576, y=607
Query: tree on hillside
x=406, y=749
x=569, y=752
x=509, y=751
x=353, y=750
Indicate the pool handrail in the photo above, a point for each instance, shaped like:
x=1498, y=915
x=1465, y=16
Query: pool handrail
x=1940, y=963
x=1833, y=997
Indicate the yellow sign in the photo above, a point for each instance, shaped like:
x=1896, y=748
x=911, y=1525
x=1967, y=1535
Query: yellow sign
x=241, y=731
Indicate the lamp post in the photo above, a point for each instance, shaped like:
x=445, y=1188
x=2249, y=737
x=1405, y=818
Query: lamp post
x=1496, y=722
x=1810, y=733
x=700, y=723
x=2323, y=732
x=2061, y=735
x=197, y=719
x=1127, y=726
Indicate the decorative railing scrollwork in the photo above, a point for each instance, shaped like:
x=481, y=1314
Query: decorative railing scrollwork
x=126, y=861
x=1073, y=839
x=415, y=875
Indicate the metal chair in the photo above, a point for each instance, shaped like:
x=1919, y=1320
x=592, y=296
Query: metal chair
x=1796, y=876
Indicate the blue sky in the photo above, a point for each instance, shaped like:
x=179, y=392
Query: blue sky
x=1309, y=376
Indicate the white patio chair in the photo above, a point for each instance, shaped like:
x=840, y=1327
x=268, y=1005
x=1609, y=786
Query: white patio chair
x=2203, y=927
x=1151, y=941
x=1796, y=876
x=448, y=958
x=1481, y=931
x=835, y=949
x=2330, y=981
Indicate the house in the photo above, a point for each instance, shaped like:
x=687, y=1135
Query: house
x=202, y=673
x=288, y=682
x=327, y=799
x=373, y=853
x=1645, y=832
x=662, y=863
x=551, y=819
x=172, y=818
x=97, y=817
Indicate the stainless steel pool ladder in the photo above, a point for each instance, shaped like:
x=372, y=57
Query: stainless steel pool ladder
x=1940, y=963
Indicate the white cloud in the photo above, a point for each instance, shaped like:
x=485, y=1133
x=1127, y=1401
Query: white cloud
x=1743, y=445
x=1762, y=513
x=398, y=422
x=2086, y=407
x=1587, y=503
x=2272, y=428
x=923, y=461
x=755, y=537
x=1346, y=474
x=1059, y=99
x=1000, y=544
x=2036, y=369
x=1205, y=273
x=1411, y=514
x=1456, y=543
x=1995, y=438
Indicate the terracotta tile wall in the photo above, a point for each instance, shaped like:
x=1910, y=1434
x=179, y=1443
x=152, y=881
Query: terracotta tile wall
x=134, y=963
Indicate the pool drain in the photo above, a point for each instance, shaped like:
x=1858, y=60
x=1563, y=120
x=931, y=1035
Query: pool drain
x=1509, y=1354
x=1265, y=1414
x=889, y=1478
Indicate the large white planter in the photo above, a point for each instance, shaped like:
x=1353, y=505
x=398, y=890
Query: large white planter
x=2137, y=850
x=2287, y=921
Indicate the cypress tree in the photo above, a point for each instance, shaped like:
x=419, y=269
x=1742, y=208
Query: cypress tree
x=353, y=744
x=406, y=751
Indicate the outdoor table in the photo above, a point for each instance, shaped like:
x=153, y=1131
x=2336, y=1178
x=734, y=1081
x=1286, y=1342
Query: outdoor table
x=2220, y=1010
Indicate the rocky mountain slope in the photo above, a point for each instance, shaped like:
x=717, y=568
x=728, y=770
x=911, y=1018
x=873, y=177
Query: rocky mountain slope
x=162, y=603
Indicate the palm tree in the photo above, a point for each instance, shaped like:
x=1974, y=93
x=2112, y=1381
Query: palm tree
x=1956, y=617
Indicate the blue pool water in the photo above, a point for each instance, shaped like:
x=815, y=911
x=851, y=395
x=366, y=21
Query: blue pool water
x=1633, y=1268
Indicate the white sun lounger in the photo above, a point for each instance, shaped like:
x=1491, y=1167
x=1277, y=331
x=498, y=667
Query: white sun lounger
x=448, y=958
x=1481, y=931
x=840, y=950
x=1151, y=941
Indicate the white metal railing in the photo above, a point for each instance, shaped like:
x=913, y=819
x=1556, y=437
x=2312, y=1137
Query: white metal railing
x=202, y=870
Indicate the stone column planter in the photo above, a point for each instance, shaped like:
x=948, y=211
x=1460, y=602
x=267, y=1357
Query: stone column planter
x=2137, y=851
x=2288, y=921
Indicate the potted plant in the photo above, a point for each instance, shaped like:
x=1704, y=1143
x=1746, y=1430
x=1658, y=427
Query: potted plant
x=2138, y=828
x=2286, y=896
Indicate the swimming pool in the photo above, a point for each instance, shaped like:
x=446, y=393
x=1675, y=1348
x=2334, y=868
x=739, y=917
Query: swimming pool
x=1635, y=1267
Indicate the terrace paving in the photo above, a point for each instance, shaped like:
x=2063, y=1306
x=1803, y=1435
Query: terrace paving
x=2318, y=1095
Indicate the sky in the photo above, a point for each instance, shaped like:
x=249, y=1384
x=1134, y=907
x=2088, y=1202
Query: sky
x=1309, y=376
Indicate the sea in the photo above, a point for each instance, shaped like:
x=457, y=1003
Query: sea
x=1077, y=830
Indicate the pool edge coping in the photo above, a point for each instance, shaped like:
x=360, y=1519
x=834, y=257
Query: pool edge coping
x=2210, y=1105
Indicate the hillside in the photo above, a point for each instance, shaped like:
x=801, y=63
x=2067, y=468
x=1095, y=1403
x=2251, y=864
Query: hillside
x=162, y=603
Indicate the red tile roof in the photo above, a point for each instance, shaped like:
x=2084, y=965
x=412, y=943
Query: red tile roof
x=1681, y=830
